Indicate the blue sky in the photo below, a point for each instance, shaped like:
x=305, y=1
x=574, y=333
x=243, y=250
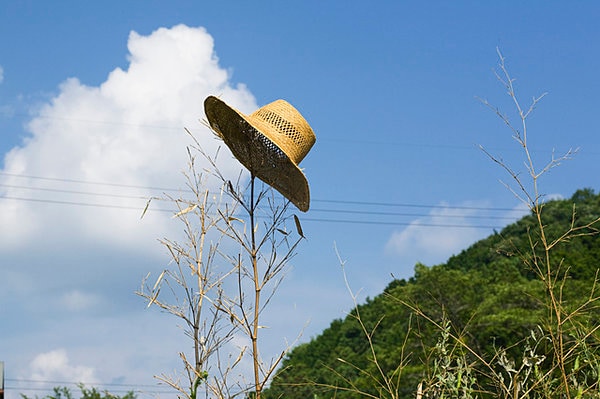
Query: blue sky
x=92, y=114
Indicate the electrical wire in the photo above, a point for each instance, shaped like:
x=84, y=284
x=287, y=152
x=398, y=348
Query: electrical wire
x=88, y=182
x=364, y=205
x=356, y=212
x=320, y=220
x=398, y=204
x=171, y=189
x=60, y=382
x=121, y=388
x=344, y=211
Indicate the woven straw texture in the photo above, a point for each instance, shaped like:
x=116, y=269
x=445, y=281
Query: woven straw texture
x=270, y=143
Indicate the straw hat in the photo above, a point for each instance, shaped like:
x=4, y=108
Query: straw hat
x=270, y=142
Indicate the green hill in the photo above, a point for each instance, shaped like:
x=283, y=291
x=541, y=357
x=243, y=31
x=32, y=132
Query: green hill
x=489, y=297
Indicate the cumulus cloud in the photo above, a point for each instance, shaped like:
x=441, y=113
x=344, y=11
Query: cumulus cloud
x=457, y=229
x=55, y=365
x=127, y=133
x=72, y=245
x=76, y=300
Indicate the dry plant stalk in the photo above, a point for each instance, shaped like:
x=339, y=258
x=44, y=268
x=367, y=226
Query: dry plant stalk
x=573, y=344
x=553, y=274
x=219, y=293
x=387, y=383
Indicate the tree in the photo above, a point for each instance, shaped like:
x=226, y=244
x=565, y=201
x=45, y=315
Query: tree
x=86, y=393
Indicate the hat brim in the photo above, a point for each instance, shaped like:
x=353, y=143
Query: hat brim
x=261, y=156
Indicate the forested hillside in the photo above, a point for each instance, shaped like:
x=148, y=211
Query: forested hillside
x=489, y=297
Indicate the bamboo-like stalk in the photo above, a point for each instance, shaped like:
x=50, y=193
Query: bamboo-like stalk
x=257, y=291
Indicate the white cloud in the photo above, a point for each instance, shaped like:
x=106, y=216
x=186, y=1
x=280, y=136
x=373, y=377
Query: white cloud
x=56, y=366
x=128, y=132
x=1, y=74
x=433, y=239
x=72, y=269
x=76, y=300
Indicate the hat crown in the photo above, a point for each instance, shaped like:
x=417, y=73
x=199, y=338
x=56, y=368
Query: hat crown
x=285, y=127
x=270, y=143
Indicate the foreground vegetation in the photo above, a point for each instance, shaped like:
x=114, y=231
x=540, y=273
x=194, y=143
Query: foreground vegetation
x=484, y=308
x=62, y=392
x=516, y=315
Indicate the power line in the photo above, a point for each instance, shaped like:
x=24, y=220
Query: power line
x=356, y=212
x=90, y=182
x=56, y=190
x=115, y=384
x=19, y=380
x=417, y=224
x=121, y=387
x=376, y=213
x=323, y=220
x=170, y=189
x=362, y=211
x=397, y=204
x=112, y=391
x=49, y=201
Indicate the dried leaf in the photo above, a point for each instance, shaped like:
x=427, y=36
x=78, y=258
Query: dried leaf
x=240, y=357
x=158, y=280
x=186, y=210
x=298, y=226
x=285, y=233
x=153, y=299
x=146, y=207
